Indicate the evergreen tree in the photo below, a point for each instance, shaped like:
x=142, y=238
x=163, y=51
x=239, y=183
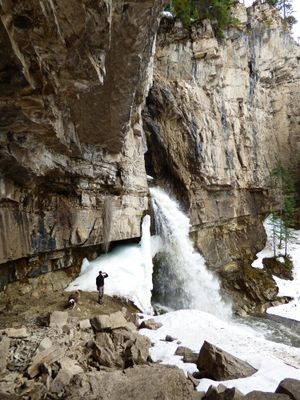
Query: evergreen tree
x=281, y=228
x=286, y=9
x=218, y=11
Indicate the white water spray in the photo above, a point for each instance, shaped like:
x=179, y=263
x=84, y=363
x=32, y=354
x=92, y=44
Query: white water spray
x=183, y=280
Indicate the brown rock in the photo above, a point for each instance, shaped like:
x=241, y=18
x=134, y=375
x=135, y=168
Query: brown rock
x=291, y=387
x=214, y=363
x=47, y=356
x=150, y=324
x=138, y=383
x=121, y=349
x=222, y=393
x=188, y=355
x=109, y=322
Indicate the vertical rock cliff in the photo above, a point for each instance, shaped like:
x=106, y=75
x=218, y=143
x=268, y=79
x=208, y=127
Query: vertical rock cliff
x=219, y=115
x=73, y=78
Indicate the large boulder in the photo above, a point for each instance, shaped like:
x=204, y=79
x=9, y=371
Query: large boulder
x=222, y=393
x=282, y=267
x=68, y=368
x=290, y=387
x=215, y=363
x=188, y=356
x=138, y=383
x=121, y=349
x=48, y=357
x=106, y=322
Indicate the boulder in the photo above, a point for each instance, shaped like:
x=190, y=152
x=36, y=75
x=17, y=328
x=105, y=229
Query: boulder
x=69, y=368
x=121, y=349
x=58, y=319
x=47, y=356
x=19, y=333
x=44, y=344
x=282, y=267
x=138, y=383
x=85, y=324
x=257, y=395
x=215, y=363
x=170, y=338
x=194, y=380
x=150, y=324
x=4, y=351
x=290, y=387
x=109, y=321
x=222, y=393
x=188, y=355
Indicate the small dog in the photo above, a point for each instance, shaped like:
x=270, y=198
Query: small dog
x=73, y=299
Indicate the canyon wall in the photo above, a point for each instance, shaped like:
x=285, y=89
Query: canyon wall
x=74, y=76
x=218, y=117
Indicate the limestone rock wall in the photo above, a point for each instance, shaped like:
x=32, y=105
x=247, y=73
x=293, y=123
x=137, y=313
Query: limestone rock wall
x=73, y=79
x=218, y=116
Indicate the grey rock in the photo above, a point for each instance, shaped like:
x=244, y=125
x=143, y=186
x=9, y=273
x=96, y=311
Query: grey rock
x=4, y=351
x=47, y=356
x=85, y=324
x=194, y=381
x=45, y=344
x=214, y=363
x=58, y=319
x=17, y=333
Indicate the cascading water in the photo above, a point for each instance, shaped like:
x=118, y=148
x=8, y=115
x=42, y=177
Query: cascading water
x=181, y=278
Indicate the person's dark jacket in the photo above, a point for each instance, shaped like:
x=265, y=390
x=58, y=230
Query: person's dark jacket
x=100, y=279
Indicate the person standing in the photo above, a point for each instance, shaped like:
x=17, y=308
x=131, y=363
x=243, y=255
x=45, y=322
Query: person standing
x=100, y=285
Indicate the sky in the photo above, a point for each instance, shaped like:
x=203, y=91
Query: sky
x=296, y=6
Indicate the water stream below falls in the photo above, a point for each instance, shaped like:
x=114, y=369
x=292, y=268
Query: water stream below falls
x=181, y=279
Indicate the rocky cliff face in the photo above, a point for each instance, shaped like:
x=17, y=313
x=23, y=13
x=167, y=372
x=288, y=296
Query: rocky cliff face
x=73, y=78
x=218, y=116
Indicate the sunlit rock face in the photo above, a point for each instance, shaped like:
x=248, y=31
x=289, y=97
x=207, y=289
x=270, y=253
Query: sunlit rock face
x=218, y=116
x=73, y=79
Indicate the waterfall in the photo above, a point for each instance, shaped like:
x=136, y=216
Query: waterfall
x=181, y=278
